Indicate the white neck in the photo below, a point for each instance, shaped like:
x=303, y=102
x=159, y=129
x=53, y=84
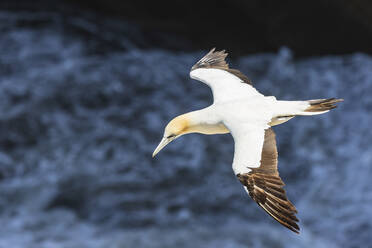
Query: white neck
x=205, y=121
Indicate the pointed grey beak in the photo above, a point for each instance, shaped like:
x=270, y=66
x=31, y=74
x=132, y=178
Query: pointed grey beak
x=162, y=144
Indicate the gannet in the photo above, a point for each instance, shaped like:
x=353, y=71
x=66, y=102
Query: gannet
x=238, y=108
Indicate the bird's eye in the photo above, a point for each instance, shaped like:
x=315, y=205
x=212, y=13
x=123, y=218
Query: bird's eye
x=171, y=136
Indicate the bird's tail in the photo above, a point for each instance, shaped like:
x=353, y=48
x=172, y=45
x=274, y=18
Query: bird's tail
x=286, y=110
x=319, y=106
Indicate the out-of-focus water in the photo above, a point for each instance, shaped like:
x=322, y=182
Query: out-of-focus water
x=78, y=128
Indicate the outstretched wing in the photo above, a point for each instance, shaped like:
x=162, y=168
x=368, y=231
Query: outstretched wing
x=263, y=182
x=226, y=83
x=217, y=60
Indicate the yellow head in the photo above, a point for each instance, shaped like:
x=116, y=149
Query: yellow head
x=175, y=128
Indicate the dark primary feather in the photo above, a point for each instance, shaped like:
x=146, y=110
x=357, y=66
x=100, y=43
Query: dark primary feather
x=266, y=187
x=212, y=60
x=216, y=60
x=322, y=104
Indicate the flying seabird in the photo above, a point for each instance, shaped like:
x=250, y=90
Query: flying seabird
x=238, y=108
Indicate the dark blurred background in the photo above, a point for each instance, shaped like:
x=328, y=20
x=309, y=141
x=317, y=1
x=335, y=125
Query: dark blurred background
x=86, y=88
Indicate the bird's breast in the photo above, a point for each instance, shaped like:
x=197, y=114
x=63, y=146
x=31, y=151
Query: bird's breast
x=245, y=111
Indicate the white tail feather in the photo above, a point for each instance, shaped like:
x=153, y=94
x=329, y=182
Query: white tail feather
x=288, y=109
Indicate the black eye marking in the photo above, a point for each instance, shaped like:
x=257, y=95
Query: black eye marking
x=171, y=136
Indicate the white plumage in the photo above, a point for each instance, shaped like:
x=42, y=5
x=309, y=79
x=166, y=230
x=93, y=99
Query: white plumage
x=244, y=111
x=225, y=86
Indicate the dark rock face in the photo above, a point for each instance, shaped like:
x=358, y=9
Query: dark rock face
x=307, y=27
x=82, y=109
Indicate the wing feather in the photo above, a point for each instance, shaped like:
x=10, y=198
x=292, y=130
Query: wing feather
x=217, y=60
x=266, y=187
x=227, y=84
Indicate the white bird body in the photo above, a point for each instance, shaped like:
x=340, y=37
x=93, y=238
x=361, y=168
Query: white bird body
x=244, y=112
x=248, y=115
